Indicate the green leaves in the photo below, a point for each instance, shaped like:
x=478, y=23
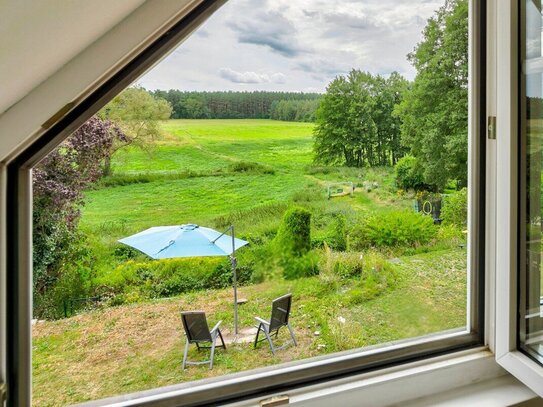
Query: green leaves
x=434, y=111
x=355, y=122
x=393, y=229
x=455, y=209
x=137, y=113
x=408, y=174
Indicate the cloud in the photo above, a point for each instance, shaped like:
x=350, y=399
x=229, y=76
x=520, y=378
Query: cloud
x=251, y=77
x=350, y=20
x=286, y=45
x=269, y=29
x=278, y=78
x=310, y=13
x=322, y=66
x=202, y=33
x=275, y=44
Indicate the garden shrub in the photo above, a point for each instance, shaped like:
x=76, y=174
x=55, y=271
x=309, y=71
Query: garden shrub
x=377, y=277
x=450, y=234
x=455, y=209
x=294, y=234
x=73, y=283
x=165, y=278
x=72, y=279
x=251, y=167
x=292, y=244
x=338, y=265
x=393, y=229
x=124, y=252
x=340, y=233
x=327, y=274
x=334, y=234
x=294, y=267
x=373, y=273
x=409, y=174
x=337, y=239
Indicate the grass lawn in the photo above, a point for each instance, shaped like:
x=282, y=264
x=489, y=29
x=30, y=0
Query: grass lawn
x=204, y=145
x=140, y=346
x=209, y=148
x=247, y=173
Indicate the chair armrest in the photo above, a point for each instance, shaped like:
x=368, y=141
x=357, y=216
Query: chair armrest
x=216, y=327
x=262, y=321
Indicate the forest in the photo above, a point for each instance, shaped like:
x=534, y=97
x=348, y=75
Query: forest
x=287, y=106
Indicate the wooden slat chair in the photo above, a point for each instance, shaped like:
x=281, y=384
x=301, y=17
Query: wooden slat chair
x=279, y=318
x=197, y=331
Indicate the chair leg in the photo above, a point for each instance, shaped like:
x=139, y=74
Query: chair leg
x=257, y=333
x=212, y=352
x=292, y=334
x=185, y=354
x=269, y=341
x=222, y=340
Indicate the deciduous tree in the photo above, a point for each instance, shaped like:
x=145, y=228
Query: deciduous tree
x=434, y=110
x=137, y=113
x=58, y=184
x=355, y=125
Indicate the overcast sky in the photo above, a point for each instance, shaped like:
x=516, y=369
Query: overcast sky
x=294, y=45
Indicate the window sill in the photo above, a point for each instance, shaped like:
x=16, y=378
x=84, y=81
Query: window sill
x=523, y=368
x=468, y=378
x=453, y=380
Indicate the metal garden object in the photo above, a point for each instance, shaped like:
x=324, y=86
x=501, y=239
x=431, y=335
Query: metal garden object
x=166, y=242
x=279, y=318
x=197, y=331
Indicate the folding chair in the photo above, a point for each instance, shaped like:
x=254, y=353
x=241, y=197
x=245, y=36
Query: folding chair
x=279, y=318
x=197, y=331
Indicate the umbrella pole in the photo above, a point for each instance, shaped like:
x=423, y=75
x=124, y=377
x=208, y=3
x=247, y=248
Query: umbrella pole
x=235, y=281
x=234, y=262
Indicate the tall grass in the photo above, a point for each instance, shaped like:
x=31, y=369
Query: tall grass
x=241, y=167
x=257, y=215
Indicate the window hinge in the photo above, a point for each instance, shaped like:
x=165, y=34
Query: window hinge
x=491, y=127
x=275, y=401
x=3, y=392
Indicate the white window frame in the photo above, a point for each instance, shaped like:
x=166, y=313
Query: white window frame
x=436, y=370
x=507, y=189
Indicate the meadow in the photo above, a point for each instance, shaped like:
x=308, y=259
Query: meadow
x=247, y=173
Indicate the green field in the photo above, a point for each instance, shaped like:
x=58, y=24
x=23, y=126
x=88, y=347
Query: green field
x=209, y=149
x=244, y=172
x=204, y=147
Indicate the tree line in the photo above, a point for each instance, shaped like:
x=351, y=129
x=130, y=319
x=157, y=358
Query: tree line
x=290, y=106
x=294, y=110
x=369, y=120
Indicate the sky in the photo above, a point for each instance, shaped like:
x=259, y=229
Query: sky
x=294, y=45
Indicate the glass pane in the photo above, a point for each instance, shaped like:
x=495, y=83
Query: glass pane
x=332, y=137
x=531, y=312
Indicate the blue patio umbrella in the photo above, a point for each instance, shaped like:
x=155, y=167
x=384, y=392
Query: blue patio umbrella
x=167, y=242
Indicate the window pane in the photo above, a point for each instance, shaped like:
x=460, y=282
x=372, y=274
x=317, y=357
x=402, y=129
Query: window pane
x=531, y=311
x=331, y=138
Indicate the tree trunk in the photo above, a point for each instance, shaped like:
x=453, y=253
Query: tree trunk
x=107, y=167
